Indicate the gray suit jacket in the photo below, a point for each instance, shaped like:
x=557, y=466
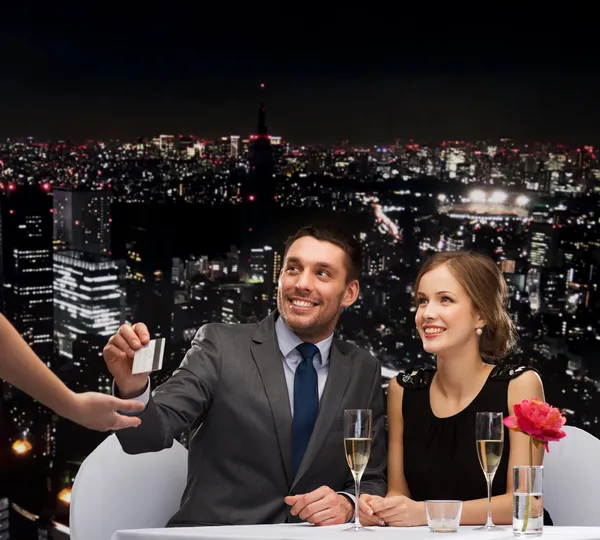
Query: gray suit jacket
x=230, y=391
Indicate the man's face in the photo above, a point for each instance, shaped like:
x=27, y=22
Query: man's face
x=313, y=288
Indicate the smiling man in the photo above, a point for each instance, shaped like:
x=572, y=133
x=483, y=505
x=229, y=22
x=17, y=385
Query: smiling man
x=265, y=403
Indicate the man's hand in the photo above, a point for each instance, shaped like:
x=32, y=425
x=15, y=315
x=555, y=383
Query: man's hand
x=99, y=411
x=400, y=511
x=366, y=515
x=118, y=355
x=323, y=506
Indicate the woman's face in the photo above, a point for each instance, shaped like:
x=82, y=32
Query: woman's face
x=446, y=318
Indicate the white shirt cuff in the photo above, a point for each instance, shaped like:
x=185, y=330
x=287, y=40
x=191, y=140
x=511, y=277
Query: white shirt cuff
x=144, y=398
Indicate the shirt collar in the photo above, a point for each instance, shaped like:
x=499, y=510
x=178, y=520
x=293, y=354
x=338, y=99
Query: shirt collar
x=288, y=341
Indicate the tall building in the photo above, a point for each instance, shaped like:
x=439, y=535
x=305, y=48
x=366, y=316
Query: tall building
x=88, y=370
x=149, y=292
x=4, y=518
x=258, y=192
x=88, y=297
x=455, y=244
x=265, y=266
x=543, y=245
x=553, y=289
x=260, y=182
x=26, y=265
x=82, y=220
x=261, y=261
x=27, y=302
x=507, y=266
x=278, y=148
x=234, y=150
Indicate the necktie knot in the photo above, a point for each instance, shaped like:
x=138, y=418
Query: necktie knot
x=308, y=350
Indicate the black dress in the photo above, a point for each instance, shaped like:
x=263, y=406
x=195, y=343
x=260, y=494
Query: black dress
x=440, y=455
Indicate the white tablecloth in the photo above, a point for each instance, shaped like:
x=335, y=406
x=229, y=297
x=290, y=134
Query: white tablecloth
x=305, y=531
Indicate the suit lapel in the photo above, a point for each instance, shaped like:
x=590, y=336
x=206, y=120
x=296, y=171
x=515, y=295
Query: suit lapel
x=267, y=356
x=340, y=369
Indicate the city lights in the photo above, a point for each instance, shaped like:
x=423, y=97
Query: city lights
x=477, y=195
x=21, y=447
x=498, y=197
x=177, y=230
x=64, y=495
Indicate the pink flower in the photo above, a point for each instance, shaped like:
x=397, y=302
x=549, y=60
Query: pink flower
x=539, y=420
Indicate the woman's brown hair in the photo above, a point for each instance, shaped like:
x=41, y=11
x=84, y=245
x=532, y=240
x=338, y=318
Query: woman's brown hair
x=482, y=280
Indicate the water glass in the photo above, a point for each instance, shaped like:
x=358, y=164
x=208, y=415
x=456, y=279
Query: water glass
x=443, y=516
x=528, y=500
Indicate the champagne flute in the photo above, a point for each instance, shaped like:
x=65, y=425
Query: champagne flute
x=489, y=436
x=357, y=445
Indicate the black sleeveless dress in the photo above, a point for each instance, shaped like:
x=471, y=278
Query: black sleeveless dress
x=440, y=455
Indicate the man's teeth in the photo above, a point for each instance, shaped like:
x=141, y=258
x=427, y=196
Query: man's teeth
x=301, y=303
x=434, y=330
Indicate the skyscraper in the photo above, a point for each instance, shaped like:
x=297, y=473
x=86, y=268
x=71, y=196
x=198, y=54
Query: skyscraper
x=260, y=187
x=258, y=193
x=82, y=220
x=88, y=298
x=26, y=265
x=265, y=265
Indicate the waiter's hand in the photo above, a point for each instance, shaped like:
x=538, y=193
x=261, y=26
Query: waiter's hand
x=323, y=506
x=102, y=412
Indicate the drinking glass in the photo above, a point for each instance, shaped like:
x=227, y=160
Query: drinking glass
x=443, y=516
x=358, y=437
x=528, y=500
x=489, y=437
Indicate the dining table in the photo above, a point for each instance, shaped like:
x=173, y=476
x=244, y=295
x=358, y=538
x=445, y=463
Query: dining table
x=306, y=531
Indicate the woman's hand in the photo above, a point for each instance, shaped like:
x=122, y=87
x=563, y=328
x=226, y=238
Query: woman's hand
x=366, y=515
x=399, y=511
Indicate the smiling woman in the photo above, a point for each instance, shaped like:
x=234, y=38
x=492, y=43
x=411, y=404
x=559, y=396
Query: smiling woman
x=462, y=319
x=472, y=287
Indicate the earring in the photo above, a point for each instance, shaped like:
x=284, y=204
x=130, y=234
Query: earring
x=478, y=331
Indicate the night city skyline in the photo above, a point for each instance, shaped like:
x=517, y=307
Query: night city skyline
x=100, y=243
x=145, y=175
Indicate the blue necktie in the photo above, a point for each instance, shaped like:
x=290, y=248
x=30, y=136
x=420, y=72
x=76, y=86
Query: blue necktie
x=306, y=402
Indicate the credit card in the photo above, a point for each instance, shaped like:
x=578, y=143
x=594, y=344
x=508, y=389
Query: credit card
x=149, y=357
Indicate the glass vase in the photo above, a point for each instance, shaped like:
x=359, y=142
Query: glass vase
x=528, y=500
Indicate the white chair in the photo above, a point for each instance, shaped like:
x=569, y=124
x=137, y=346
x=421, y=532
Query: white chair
x=114, y=490
x=572, y=479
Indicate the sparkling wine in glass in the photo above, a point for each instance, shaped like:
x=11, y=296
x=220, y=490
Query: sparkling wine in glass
x=489, y=437
x=358, y=437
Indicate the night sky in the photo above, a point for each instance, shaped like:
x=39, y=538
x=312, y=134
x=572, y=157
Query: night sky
x=98, y=71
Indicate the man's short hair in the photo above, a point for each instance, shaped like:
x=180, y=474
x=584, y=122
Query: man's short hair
x=338, y=237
